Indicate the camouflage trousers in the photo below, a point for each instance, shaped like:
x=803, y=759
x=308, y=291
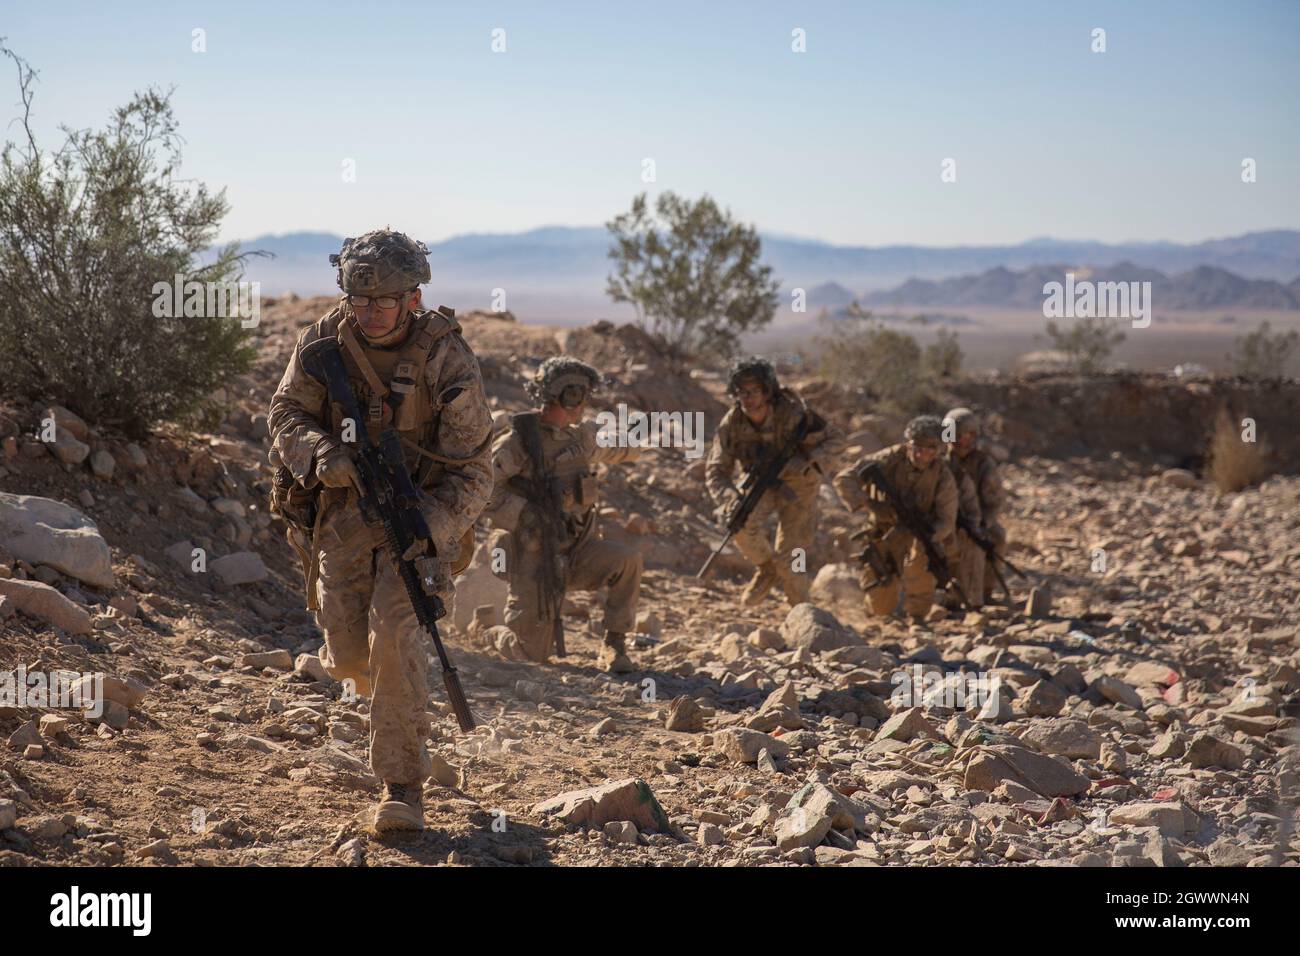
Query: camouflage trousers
x=966, y=562
x=794, y=503
x=914, y=582
x=998, y=535
x=593, y=564
x=373, y=638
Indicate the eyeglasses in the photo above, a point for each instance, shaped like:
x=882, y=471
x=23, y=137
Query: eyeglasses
x=383, y=301
x=571, y=396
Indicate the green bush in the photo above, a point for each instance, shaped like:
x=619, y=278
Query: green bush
x=1087, y=342
x=86, y=233
x=692, y=273
x=1263, y=355
x=860, y=351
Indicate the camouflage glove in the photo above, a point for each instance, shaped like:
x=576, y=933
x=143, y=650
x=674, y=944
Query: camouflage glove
x=336, y=470
x=443, y=537
x=729, y=499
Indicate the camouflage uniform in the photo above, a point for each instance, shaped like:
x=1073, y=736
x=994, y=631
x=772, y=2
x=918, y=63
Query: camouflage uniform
x=371, y=632
x=590, y=562
x=933, y=491
x=965, y=559
x=793, y=501
x=982, y=471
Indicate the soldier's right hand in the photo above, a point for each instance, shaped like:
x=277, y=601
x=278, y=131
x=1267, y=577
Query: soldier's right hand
x=336, y=470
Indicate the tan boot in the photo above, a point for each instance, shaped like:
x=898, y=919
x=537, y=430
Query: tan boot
x=613, y=655
x=400, y=808
x=764, y=577
x=794, y=584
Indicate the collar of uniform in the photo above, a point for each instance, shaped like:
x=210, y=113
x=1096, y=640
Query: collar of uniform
x=413, y=319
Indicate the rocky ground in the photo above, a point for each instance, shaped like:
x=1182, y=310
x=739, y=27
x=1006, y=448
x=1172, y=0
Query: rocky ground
x=1142, y=712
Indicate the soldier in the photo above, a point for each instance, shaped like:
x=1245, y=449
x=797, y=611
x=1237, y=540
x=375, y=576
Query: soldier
x=756, y=427
x=964, y=450
x=545, y=495
x=917, y=473
x=965, y=559
x=390, y=345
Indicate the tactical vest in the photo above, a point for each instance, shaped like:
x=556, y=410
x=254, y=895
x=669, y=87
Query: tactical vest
x=921, y=487
x=376, y=373
x=753, y=444
x=571, y=471
x=977, y=465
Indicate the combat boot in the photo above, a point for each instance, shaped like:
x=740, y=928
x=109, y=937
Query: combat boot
x=401, y=808
x=613, y=655
x=764, y=577
x=794, y=584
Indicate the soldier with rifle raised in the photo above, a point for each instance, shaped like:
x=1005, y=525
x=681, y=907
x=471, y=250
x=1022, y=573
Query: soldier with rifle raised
x=784, y=450
x=380, y=430
x=910, y=498
x=545, y=495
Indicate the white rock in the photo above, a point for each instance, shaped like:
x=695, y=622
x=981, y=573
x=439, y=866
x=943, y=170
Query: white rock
x=44, y=531
x=242, y=567
x=102, y=464
x=44, y=603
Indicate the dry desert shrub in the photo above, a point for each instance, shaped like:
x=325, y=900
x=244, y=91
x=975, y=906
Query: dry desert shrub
x=1234, y=462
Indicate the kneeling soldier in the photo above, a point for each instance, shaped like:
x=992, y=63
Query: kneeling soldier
x=979, y=466
x=545, y=495
x=924, y=481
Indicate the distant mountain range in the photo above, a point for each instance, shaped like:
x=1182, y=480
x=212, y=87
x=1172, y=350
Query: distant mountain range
x=557, y=273
x=1205, y=287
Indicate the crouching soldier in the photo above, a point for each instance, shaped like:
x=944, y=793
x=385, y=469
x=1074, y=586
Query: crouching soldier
x=409, y=368
x=918, y=474
x=963, y=432
x=965, y=558
x=545, y=495
x=755, y=429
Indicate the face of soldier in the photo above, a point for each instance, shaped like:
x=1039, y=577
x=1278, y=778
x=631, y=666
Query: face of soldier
x=377, y=315
x=568, y=407
x=753, y=400
x=965, y=442
x=920, y=454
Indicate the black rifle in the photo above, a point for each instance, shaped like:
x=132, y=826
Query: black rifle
x=990, y=550
x=880, y=562
x=913, y=521
x=389, y=498
x=760, y=478
x=548, y=524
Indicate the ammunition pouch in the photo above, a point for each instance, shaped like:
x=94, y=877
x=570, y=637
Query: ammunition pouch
x=292, y=502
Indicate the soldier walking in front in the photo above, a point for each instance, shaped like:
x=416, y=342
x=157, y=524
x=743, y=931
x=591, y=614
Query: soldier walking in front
x=412, y=369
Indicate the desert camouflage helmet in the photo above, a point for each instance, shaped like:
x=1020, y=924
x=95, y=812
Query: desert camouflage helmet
x=924, y=428
x=558, y=372
x=963, y=420
x=382, y=262
x=754, y=367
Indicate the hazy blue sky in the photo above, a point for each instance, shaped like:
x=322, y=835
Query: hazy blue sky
x=843, y=142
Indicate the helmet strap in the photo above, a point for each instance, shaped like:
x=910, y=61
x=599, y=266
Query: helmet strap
x=399, y=330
